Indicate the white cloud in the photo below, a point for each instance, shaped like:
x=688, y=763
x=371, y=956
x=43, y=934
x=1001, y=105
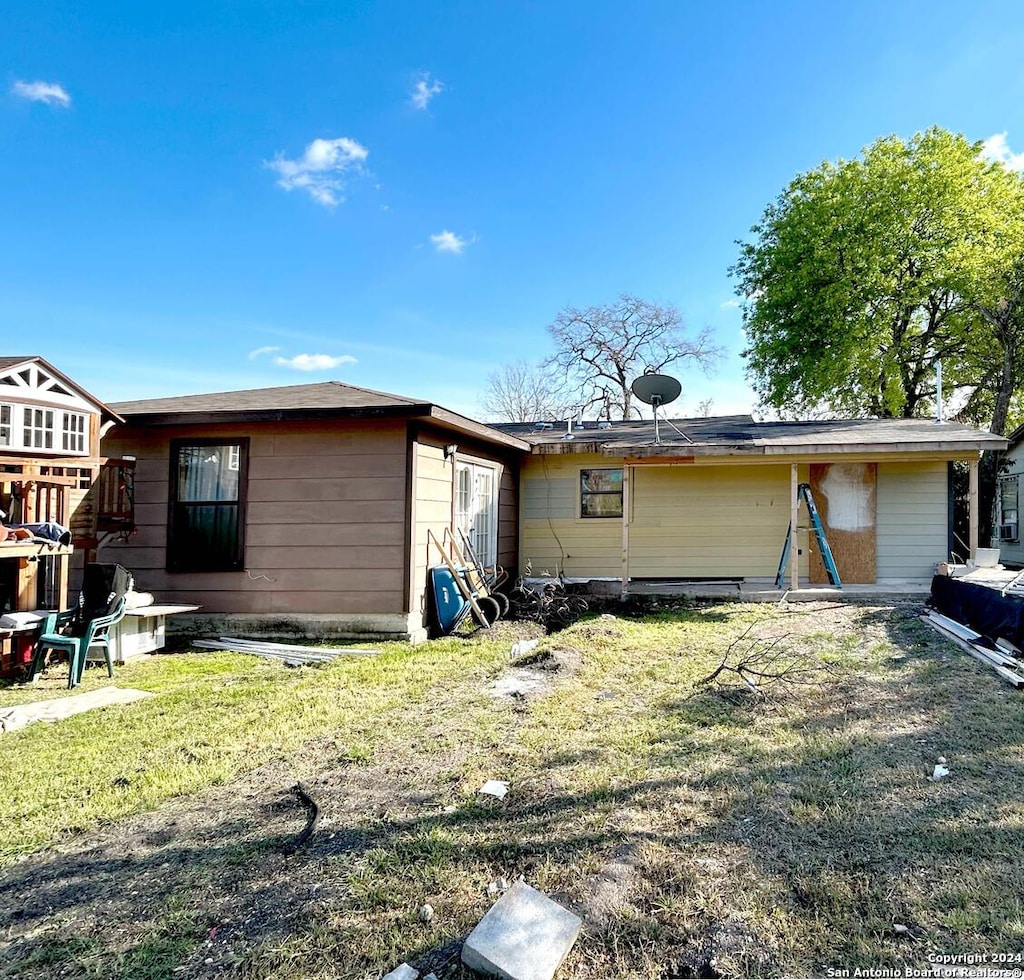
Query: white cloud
x=730, y=304
x=996, y=149
x=260, y=351
x=448, y=241
x=314, y=362
x=321, y=168
x=49, y=92
x=424, y=91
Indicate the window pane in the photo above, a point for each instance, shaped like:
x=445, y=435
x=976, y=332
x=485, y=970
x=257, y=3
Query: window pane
x=601, y=505
x=205, y=536
x=600, y=481
x=601, y=493
x=205, y=473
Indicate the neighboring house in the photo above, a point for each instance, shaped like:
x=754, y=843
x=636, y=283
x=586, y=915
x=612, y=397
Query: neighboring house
x=52, y=473
x=1008, y=490
x=715, y=499
x=306, y=508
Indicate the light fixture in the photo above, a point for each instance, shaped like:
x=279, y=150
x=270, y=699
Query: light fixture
x=450, y=451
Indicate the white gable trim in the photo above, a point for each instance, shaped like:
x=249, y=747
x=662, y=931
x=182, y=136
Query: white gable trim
x=32, y=382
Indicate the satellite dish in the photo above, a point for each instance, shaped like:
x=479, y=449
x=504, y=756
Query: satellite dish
x=656, y=390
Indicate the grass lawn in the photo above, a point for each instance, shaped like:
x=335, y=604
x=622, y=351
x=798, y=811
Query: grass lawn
x=699, y=830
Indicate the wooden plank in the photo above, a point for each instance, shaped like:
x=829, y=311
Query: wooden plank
x=627, y=470
x=1007, y=675
x=972, y=469
x=794, y=537
x=325, y=652
x=846, y=498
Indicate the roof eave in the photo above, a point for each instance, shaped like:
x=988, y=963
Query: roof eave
x=229, y=417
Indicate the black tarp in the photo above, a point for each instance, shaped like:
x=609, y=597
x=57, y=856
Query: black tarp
x=984, y=609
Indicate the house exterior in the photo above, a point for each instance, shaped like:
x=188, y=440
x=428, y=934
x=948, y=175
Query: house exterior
x=53, y=472
x=1010, y=483
x=306, y=509
x=716, y=498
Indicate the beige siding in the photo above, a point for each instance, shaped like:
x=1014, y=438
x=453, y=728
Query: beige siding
x=325, y=521
x=553, y=538
x=701, y=521
x=912, y=519
x=698, y=522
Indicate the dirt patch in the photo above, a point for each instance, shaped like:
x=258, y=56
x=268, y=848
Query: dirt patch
x=535, y=673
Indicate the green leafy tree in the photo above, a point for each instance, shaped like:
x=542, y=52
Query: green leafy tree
x=864, y=273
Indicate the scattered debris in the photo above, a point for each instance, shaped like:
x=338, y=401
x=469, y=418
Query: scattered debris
x=939, y=772
x=312, y=820
x=521, y=647
x=495, y=787
x=430, y=976
x=497, y=887
x=900, y=929
x=426, y=912
x=524, y=936
x=403, y=972
x=605, y=695
x=56, y=709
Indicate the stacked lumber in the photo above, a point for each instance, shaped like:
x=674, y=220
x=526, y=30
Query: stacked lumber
x=994, y=654
x=291, y=654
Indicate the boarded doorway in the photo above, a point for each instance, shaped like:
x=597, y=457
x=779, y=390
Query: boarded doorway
x=845, y=494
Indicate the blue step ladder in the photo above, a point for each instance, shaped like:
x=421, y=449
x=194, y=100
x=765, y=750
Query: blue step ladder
x=804, y=490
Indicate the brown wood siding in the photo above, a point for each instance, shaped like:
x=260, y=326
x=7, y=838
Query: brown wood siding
x=433, y=507
x=325, y=521
x=508, y=519
x=433, y=512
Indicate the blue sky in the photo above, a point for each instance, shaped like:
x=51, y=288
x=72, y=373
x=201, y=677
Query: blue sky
x=413, y=191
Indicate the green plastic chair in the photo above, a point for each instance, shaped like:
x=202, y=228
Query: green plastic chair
x=76, y=647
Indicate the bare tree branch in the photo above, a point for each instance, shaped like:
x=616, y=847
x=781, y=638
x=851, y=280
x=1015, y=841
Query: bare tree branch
x=604, y=348
x=524, y=392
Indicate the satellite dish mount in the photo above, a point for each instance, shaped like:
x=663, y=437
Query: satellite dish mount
x=656, y=390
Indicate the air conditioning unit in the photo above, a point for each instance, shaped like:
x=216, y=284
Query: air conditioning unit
x=1008, y=532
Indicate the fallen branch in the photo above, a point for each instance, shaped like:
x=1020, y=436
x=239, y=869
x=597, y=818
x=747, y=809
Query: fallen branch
x=313, y=809
x=764, y=663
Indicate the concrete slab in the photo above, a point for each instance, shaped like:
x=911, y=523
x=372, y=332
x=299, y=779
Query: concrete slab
x=524, y=936
x=403, y=972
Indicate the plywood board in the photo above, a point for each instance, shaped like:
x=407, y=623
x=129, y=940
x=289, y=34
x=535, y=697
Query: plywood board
x=846, y=497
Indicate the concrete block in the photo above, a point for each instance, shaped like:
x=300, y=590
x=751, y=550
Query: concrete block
x=524, y=936
x=403, y=972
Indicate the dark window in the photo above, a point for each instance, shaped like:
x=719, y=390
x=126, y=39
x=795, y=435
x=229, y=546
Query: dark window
x=207, y=518
x=1009, y=527
x=601, y=493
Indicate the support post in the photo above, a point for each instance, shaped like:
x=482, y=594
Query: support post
x=972, y=498
x=627, y=479
x=794, y=537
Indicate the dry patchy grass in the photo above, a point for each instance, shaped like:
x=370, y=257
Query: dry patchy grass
x=699, y=830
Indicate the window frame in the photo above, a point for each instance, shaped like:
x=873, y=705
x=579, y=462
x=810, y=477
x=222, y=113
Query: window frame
x=581, y=493
x=1002, y=483
x=70, y=433
x=31, y=428
x=7, y=426
x=186, y=563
